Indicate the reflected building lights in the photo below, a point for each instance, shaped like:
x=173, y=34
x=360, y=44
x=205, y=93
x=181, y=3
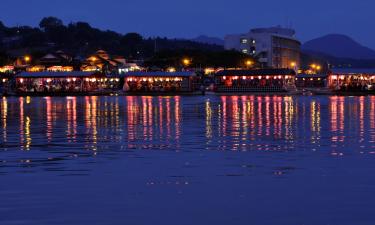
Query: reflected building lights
x=28, y=100
x=372, y=118
x=208, y=121
x=244, y=119
x=223, y=122
x=268, y=115
x=168, y=114
x=161, y=114
x=21, y=118
x=337, y=114
x=342, y=117
x=279, y=117
x=361, y=118
x=94, y=126
x=288, y=117
x=28, y=133
x=131, y=117
x=91, y=121
x=71, y=108
x=251, y=108
x=153, y=118
x=4, y=116
x=144, y=117
x=49, y=119
x=236, y=123
x=260, y=115
x=177, y=112
x=315, y=120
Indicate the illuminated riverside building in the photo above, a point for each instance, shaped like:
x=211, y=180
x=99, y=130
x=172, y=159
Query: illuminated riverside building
x=6, y=74
x=102, y=61
x=53, y=62
x=64, y=83
x=352, y=80
x=58, y=73
x=7, y=69
x=160, y=82
x=311, y=80
x=275, y=47
x=261, y=80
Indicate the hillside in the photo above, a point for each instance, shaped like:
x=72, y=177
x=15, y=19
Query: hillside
x=339, y=46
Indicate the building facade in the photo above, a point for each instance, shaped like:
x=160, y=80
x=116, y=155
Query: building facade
x=275, y=47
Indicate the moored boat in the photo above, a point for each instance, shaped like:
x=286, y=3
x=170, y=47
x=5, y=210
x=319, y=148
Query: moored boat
x=63, y=83
x=160, y=83
x=352, y=81
x=258, y=81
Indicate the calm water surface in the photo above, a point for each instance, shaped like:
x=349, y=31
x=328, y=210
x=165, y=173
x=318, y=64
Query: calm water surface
x=187, y=160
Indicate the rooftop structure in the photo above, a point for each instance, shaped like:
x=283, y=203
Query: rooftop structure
x=102, y=61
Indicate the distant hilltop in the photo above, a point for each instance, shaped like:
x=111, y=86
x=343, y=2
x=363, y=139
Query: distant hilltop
x=339, y=46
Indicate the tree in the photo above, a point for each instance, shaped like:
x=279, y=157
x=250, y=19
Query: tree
x=2, y=26
x=3, y=29
x=132, y=44
x=4, y=58
x=131, y=39
x=50, y=22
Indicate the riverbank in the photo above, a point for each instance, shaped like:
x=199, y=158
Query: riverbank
x=196, y=93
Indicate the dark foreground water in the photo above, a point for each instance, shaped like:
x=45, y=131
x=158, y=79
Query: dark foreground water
x=187, y=160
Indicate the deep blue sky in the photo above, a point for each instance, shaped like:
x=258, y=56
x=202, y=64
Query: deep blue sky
x=189, y=18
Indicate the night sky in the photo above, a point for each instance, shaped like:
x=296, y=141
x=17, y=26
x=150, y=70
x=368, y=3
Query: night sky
x=190, y=18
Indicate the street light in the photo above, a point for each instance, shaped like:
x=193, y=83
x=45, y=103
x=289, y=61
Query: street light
x=27, y=58
x=186, y=62
x=249, y=63
x=293, y=64
x=171, y=69
x=315, y=67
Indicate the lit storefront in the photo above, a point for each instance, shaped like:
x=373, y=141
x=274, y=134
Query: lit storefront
x=63, y=82
x=352, y=80
x=261, y=80
x=159, y=82
x=6, y=74
x=7, y=69
x=311, y=80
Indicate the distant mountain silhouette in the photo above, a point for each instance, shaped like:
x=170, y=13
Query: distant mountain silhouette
x=339, y=46
x=208, y=40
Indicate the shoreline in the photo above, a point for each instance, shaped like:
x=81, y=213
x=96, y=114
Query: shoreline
x=198, y=93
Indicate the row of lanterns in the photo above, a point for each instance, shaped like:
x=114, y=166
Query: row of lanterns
x=102, y=79
x=153, y=79
x=86, y=79
x=342, y=77
x=259, y=77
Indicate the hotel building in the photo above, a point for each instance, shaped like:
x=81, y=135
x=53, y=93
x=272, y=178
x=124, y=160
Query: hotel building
x=275, y=47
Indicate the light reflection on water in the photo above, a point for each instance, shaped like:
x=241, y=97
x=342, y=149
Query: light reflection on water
x=74, y=126
x=113, y=160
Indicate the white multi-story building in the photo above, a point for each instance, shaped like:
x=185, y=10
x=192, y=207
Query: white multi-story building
x=275, y=47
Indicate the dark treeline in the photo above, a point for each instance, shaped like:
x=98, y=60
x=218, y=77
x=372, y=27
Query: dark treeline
x=199, y=59
x=80, y=39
